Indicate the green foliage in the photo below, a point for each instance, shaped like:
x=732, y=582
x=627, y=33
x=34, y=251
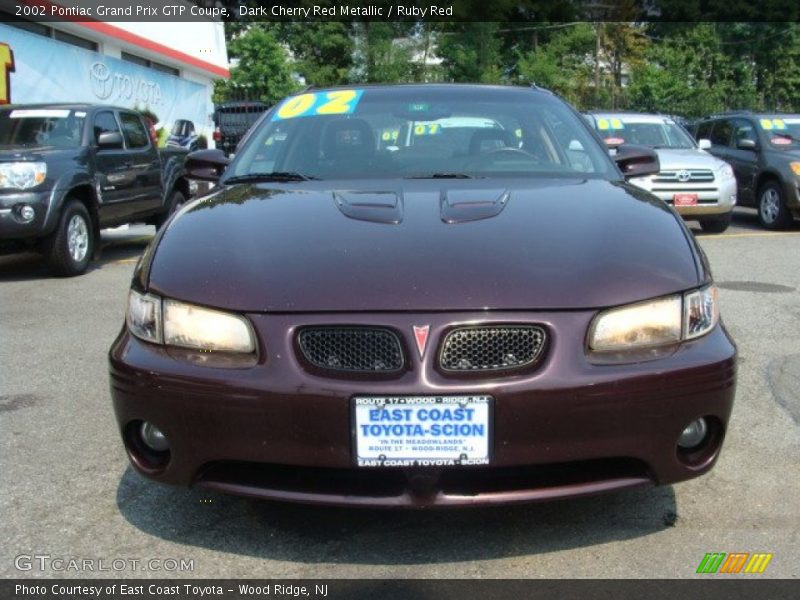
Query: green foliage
x=322, y=50
x=471, y=52
x=688, y=68
x=264, y=71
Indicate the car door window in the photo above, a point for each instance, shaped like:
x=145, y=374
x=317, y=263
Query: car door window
x=136, y=135
x=721, y=135
x=703, y=131
x=743, y=130
x=104, y=122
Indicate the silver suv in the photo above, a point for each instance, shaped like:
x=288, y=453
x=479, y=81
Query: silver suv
x=698, y=185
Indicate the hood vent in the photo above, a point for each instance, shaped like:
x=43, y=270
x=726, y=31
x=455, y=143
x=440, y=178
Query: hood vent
x=461, y=206
x=375, y=207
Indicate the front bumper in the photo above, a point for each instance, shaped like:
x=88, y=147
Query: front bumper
x=567, y=428
x=716, y=198
x=11, y=227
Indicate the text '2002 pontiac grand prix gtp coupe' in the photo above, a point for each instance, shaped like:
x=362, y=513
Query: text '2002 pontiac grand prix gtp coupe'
x=418, y=296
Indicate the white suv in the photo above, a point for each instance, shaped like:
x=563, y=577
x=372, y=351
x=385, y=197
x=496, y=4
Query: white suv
x=698, y=185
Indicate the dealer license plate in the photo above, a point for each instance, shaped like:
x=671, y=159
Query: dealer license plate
x=422, y=431
x=684, y=199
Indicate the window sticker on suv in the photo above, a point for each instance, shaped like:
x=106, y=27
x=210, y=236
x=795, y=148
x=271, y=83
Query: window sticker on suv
x=768, y=124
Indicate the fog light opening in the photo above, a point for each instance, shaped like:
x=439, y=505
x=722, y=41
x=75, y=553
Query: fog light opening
x=24, y=212
x=148, y=446
x=153, y=437
x=694, y=434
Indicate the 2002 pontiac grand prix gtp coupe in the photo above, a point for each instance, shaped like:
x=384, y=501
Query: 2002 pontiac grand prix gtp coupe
x=418, y=296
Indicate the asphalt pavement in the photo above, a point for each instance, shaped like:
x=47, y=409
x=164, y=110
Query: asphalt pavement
x=68, y=492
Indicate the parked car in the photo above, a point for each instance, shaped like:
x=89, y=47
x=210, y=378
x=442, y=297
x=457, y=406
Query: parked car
x=698, y=185
x=67, y=170
x=764, y=151
x=232, y=120
x=184, y=135
x=451, y=320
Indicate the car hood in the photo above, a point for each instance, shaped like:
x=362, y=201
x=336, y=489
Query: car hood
x=35, y=153
x=423, y=246
x=673, y=158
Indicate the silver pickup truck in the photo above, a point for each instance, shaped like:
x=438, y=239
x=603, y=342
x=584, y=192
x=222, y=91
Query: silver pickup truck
x=698, y=185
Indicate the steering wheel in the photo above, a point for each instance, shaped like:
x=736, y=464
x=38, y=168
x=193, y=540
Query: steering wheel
x=498, y=154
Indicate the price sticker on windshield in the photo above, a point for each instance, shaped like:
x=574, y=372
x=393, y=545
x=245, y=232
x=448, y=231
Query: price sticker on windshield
x=768, y=124
x=338, y=102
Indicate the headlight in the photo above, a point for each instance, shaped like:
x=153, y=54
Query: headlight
x=700, y=312
x=22, y=175
x=653, y=323
x=658, y=322
x=726, y=171
x=795, y=167
x=174, y=323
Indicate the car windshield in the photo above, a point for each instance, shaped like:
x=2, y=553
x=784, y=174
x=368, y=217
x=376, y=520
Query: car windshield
x=655, y=134
x=419, y=132
x=41, y=127
x=781, y=130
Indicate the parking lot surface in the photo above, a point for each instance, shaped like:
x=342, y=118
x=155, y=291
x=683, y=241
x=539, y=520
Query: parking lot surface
x=69, y=493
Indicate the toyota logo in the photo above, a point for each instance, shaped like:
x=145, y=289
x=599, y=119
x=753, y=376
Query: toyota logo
x=684, y=176
x=102, y=84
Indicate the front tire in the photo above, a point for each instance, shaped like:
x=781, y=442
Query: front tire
x=717, y=224
x=176, y=200
x=69, y=248
x=772, y=211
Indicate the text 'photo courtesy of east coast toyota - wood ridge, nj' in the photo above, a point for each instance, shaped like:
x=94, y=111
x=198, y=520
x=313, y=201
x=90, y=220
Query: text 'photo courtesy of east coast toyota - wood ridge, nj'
x=377, y=299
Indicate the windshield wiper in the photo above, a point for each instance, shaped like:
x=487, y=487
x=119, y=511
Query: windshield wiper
x=272, y=176
x=442, y=175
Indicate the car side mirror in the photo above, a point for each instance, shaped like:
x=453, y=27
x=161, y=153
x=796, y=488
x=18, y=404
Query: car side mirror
x=206, y=165
x=636, y=161
x=704, y=144
x=109, y=140
x=746, y=144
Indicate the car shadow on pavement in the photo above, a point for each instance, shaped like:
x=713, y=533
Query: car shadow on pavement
x=309, y=534
x=115, y=249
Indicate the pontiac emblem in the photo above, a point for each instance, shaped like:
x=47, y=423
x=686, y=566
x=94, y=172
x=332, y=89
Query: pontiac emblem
x=421, y=337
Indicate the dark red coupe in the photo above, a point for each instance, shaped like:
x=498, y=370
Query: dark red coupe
x=423, y=296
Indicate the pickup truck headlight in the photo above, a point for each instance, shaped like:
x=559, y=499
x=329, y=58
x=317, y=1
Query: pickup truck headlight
x=22, y=175
x=173, y=323
x=653, y=323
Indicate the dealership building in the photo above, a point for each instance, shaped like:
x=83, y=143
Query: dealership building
x=168, y=68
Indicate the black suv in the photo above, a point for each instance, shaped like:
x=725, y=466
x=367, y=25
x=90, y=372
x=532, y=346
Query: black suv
x=764, y=151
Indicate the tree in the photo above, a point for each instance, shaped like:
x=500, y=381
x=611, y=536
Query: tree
x=322, y=50
x=563, y=64
x=470, y=52
x=263, y=72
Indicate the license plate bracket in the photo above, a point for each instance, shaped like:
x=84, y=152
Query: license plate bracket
x=422, y=431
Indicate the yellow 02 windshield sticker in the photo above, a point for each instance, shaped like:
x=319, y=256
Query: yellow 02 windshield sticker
x=338, y=102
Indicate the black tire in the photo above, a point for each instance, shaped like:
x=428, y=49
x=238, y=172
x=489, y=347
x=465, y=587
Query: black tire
x=68, y=250
x=716, y=224
x=176, y=200
x=772, y=211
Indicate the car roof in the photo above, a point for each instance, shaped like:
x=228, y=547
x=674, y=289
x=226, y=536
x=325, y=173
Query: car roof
x=632, y=116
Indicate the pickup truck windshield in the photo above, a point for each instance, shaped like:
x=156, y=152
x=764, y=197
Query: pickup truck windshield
x=661, y=134
x=412, y=133
x=41, y=127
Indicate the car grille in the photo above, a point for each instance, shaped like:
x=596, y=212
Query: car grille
x=491, y=348
x=695, y=176
x=352, y=349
